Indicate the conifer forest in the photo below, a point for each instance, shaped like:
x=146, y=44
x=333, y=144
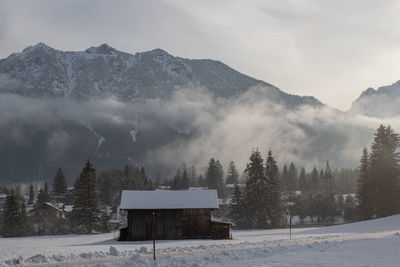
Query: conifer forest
x=261, y=196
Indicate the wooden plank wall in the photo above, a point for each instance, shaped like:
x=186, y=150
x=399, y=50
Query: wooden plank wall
x=170, y=224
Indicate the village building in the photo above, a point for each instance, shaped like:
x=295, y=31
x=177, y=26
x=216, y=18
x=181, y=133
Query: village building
x=178, y=214
x=47, y=219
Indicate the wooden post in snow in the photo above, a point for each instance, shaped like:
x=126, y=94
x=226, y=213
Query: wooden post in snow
x=154, y=235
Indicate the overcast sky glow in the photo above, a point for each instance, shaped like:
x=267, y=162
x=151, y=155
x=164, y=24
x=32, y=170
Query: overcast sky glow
x=332, y=50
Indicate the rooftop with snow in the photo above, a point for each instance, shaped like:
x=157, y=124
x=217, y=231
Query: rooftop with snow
x=173, y=199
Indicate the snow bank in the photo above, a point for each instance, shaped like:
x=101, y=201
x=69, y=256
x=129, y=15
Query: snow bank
x=369, y=243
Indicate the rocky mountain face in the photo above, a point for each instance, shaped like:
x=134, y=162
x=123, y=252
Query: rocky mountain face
x=41, y=71
x=40, y=130
x=382, y=102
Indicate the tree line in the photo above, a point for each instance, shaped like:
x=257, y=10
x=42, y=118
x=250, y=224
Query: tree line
x=261, y=196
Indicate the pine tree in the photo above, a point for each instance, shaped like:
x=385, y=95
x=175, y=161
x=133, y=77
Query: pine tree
x=14, y=216
x=349, y=209
x=105, y=190
x=330, y=207
x=85, y=213
x=184, y=180
x=201, y=181
x=302, y=180
x=59, y=183
x=176, y=182
x=385, y=170
x=285, y=178
x=365, y=194
x=339, y=205
x=237, y=208
x=321, y=179
x=220, y=180
x=43, y=195
x=232, y=174
x=215, y=176
x=23, y=217
x=143, y=183
x=40, y=198
x=256, y=191
x=149, y=184
x=328, y=180
x=192, y=173
x=314, y=181
x=301, y=207
x=135, y=179
x=104, y=226
x=292, y=177
x=31, y=195
x=46, y=189
x=128, y=180
x=274, y=204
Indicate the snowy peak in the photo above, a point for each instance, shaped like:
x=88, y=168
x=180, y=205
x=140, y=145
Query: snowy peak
x=39, y=46
x=393, y=90
x=370, y=91
x=158, y=52
x=103, y=49
x=379, y=103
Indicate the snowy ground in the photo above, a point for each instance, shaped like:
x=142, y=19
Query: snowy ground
x=370, y=243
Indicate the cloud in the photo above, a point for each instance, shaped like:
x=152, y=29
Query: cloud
x=307, y=136
x=327, y=49
x=194, y=126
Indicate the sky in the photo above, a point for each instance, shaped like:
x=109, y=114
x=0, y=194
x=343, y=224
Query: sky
x=332, y=50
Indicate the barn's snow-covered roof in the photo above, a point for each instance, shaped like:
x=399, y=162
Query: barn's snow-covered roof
x=168, y=199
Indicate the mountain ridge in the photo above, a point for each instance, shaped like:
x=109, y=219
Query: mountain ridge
x=104, y=71
x=381, y=102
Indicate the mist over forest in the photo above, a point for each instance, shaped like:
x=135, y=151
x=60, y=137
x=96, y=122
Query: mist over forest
x=188, y=128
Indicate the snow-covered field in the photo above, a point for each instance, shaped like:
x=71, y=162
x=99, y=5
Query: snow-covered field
x=369, y=243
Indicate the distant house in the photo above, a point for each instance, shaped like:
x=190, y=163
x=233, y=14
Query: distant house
x=46, y=218
x=179, y=214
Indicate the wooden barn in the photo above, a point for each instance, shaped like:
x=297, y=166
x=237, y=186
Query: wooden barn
x=180, y=214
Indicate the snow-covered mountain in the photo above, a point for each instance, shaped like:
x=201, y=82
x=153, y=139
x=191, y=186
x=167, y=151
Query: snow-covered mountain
x=61, y=108
x=382, y=102
x=41, y=71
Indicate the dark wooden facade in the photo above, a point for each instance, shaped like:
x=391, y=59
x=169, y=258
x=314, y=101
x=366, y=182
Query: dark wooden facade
x=220, y=230
x=170, y=224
